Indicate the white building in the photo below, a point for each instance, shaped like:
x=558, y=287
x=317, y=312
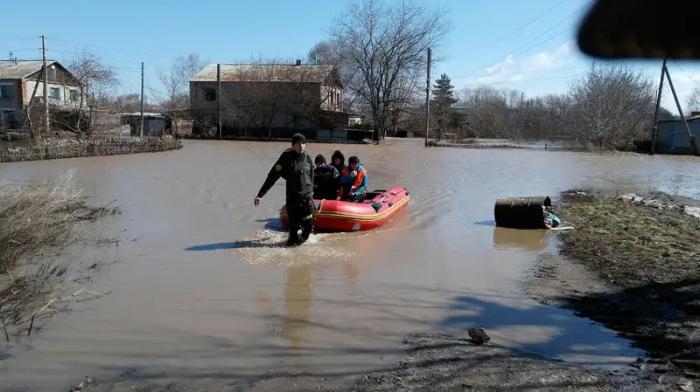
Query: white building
x=20, y=79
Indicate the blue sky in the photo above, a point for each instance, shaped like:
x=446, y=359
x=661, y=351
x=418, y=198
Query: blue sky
x=523, y=45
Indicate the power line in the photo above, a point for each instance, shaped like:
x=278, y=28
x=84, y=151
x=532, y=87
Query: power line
x=529, y=49
x=111, y=59
x=527, y=45
x=521, y=28
x=132, y=52
x=533, y=71
x=523, y=80
x=26, y=38
x=687, y=74
x=24, y=49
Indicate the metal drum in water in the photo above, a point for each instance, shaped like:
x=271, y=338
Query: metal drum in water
x=521, y=212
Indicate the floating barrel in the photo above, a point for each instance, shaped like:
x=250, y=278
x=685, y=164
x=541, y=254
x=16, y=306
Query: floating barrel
x=521, y=212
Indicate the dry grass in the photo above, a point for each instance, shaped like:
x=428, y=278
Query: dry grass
x=35, y=220
x=34, y=217
x=632, y=244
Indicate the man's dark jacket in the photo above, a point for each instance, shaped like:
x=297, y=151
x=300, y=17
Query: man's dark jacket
x=297, y=170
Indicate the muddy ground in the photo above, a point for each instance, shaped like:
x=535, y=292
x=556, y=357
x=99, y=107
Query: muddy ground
x=632, y=264
x=432, y=362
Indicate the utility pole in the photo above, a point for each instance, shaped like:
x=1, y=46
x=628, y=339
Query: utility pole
x=47, y=120
x=141, y=130
x=427, y=98
x=654, y=128
x=691, y=136
x=218, y=99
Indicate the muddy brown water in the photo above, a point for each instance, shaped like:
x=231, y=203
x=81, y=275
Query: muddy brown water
x=201, y=287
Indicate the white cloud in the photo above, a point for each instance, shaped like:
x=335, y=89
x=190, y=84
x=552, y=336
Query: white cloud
x=513, y=69
x=685, y=83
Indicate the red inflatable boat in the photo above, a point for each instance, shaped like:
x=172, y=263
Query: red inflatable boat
x=377, y=208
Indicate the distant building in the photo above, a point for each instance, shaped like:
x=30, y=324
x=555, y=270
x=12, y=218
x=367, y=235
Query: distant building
x=19, y=79
x=356, y=119
x=267, y=99
x=154, y=124
x=672, y=136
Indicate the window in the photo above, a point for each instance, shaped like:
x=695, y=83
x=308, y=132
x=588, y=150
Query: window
x=8, y=118
x=74, y=95
x=210, y=94
x=5, y=91
x=55, y=93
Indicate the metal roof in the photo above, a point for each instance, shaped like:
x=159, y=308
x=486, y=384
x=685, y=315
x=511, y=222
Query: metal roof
x=145, y=114
x=20, y=69
x=689, y=118
x=306, y=73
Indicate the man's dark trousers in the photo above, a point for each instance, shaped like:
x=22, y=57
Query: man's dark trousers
x=300, y=213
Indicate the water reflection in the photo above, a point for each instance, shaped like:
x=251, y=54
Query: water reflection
x=351, y=271
x=530, y=240
x=297, y=303
x=537, y=328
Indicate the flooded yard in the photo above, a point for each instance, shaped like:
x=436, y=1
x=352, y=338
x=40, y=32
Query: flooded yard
x=201, y=286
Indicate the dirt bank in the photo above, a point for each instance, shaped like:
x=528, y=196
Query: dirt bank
x=632, y=264
x=507, y=144
x=432, y=362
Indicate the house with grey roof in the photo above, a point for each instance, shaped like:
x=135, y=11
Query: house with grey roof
x=266, y=99
x=20, y=80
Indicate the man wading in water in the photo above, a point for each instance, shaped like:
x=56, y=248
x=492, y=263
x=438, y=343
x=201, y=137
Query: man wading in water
x=295, y=166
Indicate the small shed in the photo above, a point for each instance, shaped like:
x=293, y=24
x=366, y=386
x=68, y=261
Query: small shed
x=154, y=124
x=355, y=119
x=672, y=136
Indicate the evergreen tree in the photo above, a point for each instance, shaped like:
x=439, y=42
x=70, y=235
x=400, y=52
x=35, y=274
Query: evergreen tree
x=443, y=99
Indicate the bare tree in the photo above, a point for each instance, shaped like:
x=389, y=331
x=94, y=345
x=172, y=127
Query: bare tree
x=176, y=83
x=323, y=53
x=95, y=79
x=611, y=107
x=386, y=46
x=693, y=100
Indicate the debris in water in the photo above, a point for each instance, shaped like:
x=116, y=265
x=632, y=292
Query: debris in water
x=478, y=335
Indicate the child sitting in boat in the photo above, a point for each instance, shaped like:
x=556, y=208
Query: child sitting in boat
x=325, y=179
x=353, y=181
x=338, y=160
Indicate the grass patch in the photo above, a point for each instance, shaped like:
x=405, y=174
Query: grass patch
x=631, y=244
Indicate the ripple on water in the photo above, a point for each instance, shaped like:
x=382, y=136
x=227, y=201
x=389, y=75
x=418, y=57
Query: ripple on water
x=267, y=247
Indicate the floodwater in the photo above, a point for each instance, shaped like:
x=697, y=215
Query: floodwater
x=200, y=286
